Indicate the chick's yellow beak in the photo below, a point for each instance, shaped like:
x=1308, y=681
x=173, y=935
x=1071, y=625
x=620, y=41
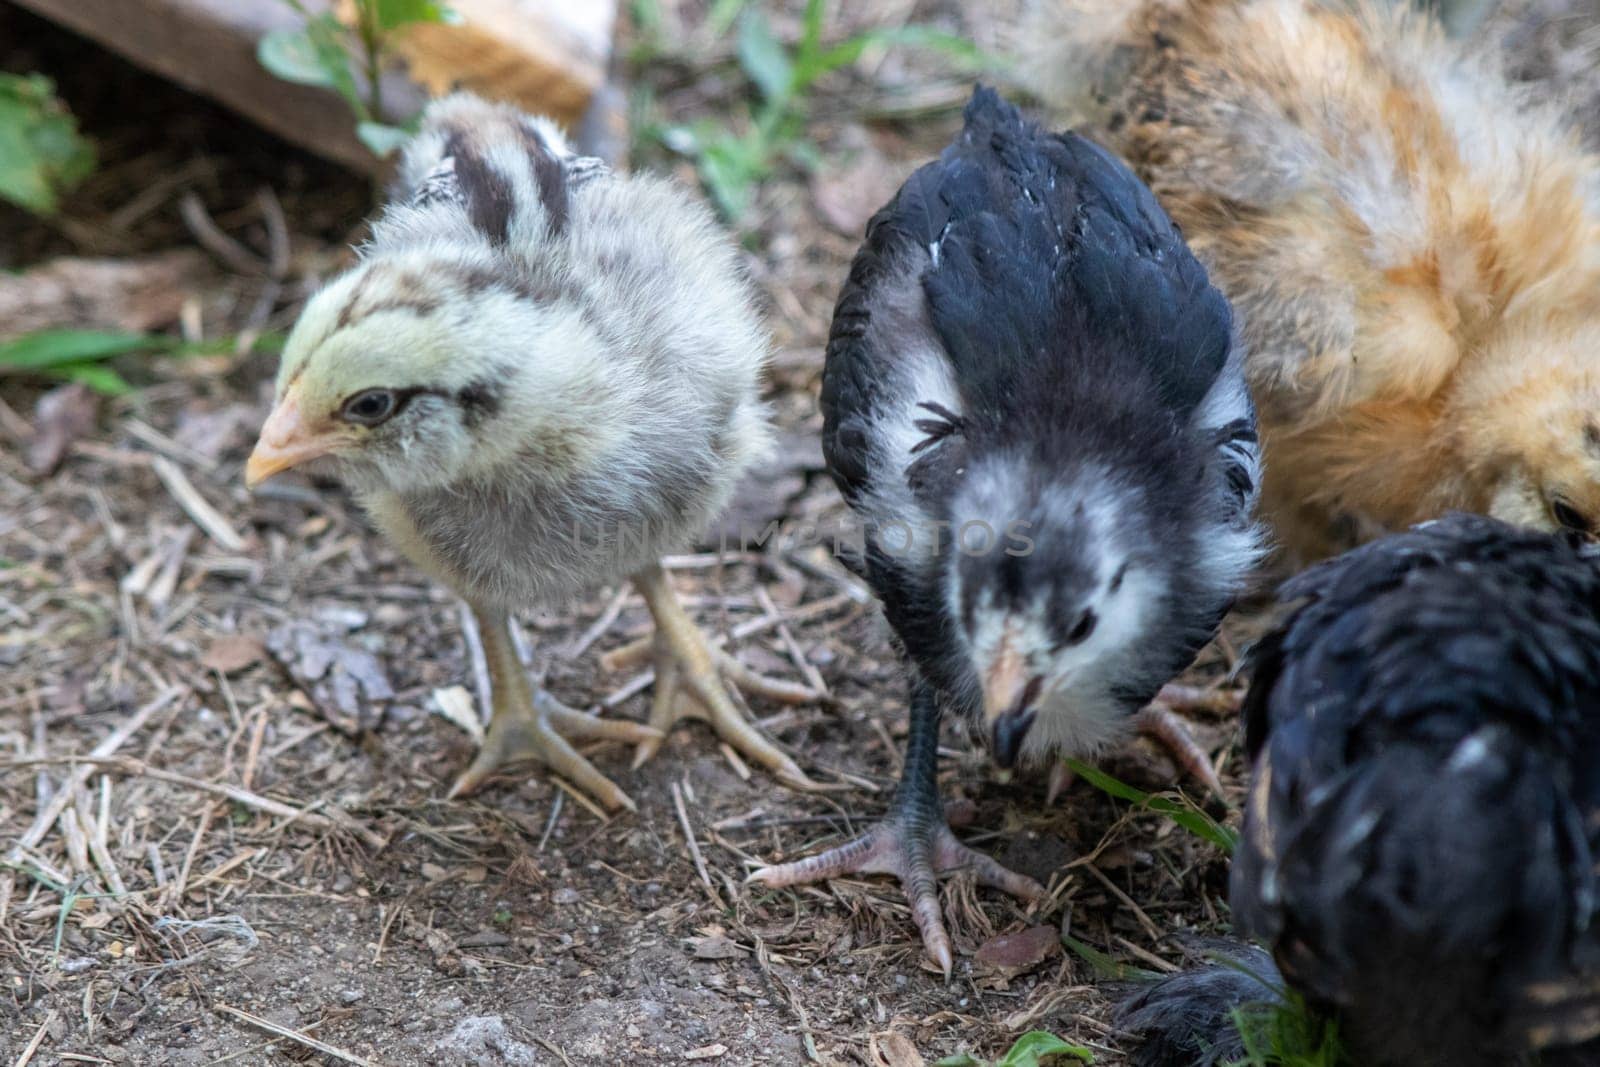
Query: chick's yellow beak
x=286, y=441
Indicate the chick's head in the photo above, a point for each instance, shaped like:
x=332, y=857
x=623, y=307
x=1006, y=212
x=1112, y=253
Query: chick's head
x=414, y=376
x=1045, y=586
x=1531, y=430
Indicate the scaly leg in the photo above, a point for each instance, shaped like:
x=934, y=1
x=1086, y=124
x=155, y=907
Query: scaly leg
x=913, y=842
x=529, y=724
x=688, y=666
x=1160, y=722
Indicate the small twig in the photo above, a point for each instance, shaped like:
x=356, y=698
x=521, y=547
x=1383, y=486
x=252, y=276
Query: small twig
x=38, y=1039
x=172, y=558
x=335, y=819
x=479, y=661
x=196, y=506
x=294, y=1035
x=553, y=1048
x=242, y=1053
x=819, y=564
x=629, y=689
x=15, y=425
x=253, y=753
x=1164, y=966
x=638, y=651
x=277, y=232
x=694, y=846
x=739, y=766
x=589, y=805
x=550, y=823
x=167, y=446
x=1138, y=913
x=217, y=873
x=180, y=885
x=213, y=240
x=63, y=796
x=77, y=842
x=607, y=618
x=95, y=830
x=807, y=669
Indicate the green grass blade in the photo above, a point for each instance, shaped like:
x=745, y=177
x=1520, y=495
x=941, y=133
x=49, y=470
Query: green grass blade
x=846, y=52
x=1183, y=811
x=724, y=13
x=43, y=350
x=96, y=376
x=763, y=58
x=1104, y=965
x=1036, y=1046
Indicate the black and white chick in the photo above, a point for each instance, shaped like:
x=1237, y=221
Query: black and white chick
x=540, y=377
x=1033, y=403
x=1423, y=824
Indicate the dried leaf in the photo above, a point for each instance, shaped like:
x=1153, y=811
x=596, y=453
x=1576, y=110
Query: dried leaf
x=346, y=683
x=231, y=653
x=455, y=704
x=714, y=947
x=890, y=1049
x=1009, y=955
x=63, y=415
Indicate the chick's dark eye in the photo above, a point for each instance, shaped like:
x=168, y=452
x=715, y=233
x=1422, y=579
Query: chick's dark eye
x=369, y=408
x=1083, y=628
x=1569, y=517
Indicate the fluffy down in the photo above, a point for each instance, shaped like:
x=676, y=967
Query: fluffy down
x=595, y=333
x=1410, y=242
x=1421, y=833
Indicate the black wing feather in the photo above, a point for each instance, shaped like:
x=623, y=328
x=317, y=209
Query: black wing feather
x=1420, y=843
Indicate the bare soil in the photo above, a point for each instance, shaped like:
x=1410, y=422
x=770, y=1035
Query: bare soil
x=266, y=870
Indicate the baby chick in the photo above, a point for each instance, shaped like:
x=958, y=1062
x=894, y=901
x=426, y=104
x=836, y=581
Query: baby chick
x=1033, y=402
x=1422, y=830
x=540, y=377
x=1411, y=243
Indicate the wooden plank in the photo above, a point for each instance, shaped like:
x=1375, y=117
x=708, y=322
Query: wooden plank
x=209, y=47
x=545, y=55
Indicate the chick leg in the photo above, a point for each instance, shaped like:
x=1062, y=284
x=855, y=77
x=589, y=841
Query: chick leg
x=1160, y=722
x=913, y=842
x=530, y=724
x=687, y=665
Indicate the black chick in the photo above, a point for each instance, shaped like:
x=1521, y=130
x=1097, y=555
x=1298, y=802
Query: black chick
x=1033, y=404
x=1420, y=838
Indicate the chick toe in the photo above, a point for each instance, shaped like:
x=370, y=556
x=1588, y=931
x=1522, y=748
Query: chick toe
x=693, y=679
x=1163, y=726
x=539, y=732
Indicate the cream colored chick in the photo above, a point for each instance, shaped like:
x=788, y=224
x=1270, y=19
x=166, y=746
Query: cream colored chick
x=540, y=377
x=1411, y=245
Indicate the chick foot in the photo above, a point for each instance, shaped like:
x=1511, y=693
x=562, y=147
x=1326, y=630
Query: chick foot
x=913, y=842
x=1159, y=722
x=691, y=676
x=531, y=725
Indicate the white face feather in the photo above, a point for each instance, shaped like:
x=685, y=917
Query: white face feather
x=447, y=329
x=1071, y=636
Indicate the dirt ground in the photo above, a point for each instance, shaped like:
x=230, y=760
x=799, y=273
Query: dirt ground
x=260, y=865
